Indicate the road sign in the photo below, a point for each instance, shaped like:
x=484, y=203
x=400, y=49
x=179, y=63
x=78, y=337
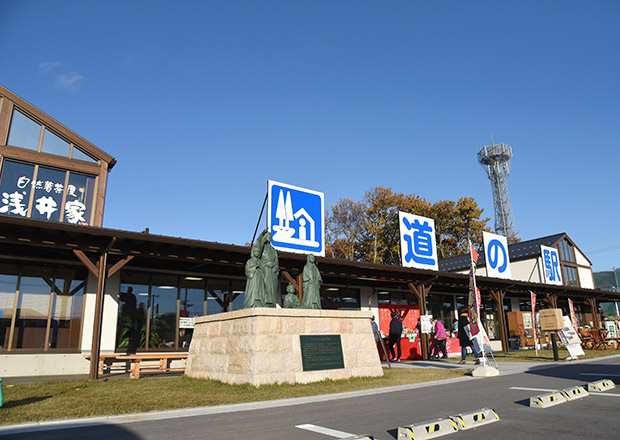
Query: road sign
x=496, y=256
x=296, y=219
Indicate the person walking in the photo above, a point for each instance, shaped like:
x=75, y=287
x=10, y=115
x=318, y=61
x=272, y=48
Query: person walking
x=396, y=330
x=440, y=339
x=463, y=336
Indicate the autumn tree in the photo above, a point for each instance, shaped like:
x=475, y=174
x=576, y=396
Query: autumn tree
x=345, y=224
x=368, y=230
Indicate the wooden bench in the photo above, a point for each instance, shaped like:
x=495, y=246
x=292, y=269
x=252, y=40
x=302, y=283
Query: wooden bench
x=140, y=362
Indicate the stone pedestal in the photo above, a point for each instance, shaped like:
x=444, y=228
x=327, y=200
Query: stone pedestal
x=262, y=345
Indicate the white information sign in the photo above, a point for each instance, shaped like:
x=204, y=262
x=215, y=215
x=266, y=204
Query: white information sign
x=611, y=328
x=186, y=321
x=426, y=323
x=418, y=247
x=570, y=338
x=496, y=256
x=552, y=272
x=296, y=219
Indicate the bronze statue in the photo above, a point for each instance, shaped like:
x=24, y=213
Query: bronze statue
x=269, y=259
x=290, y=300
x=261, y=272
x=255, y=281
x=312, y=285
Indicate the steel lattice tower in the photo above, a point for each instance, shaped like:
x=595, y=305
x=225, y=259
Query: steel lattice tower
x=495, y=159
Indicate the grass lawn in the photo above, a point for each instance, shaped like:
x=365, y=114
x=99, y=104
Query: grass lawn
x=72, y=399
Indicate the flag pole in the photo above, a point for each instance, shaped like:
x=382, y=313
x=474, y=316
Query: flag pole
x=259, y=217
x=533, y=300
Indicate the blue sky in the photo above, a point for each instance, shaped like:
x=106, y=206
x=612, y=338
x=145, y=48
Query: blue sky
x=202, y=102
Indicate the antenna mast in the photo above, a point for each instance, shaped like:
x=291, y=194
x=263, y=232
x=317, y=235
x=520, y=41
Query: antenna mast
x=495, y=159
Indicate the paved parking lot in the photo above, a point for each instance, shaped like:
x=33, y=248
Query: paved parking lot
x=380, y=412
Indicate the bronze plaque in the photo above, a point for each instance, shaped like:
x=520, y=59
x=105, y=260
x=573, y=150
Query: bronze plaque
x=321, y=352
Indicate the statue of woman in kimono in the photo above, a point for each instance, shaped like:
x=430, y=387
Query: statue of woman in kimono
x=255, y=283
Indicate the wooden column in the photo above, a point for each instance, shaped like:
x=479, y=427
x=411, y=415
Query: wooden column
x=420, y=293
x=297, y=284
x=552, y=300
x=592, y=303
x=101, y=273
x=498, y=297
x=96, y=344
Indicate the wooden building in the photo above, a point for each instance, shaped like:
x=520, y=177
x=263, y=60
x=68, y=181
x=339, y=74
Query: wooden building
x=70, y=288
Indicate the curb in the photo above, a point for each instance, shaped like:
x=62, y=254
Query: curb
x=249, y=406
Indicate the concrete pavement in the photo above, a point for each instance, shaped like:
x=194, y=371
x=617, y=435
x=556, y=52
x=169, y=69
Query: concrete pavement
x=506, y=369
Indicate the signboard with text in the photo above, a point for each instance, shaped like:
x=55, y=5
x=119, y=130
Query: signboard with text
x=321, y=352
x=418, y=247
x=496, y=255
x=552, y=273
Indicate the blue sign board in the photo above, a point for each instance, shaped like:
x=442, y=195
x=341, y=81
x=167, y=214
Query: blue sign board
x=551, y=265
x=417, y=241
x=496, y=255
x=296, y=219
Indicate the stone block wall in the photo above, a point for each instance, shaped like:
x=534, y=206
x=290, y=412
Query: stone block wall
x=262, y=345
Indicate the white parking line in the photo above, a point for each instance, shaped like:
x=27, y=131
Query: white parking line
x=532, y=389
x=550, y=391
x=599, y=374
x=326, y=431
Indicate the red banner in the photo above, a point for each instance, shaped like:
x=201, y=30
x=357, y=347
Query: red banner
x=474, y=294
x=573, y=317
x=533, y=299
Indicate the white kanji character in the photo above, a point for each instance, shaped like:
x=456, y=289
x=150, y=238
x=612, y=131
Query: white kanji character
x=13, y=200
x=46, y=205
x=74, y=211
x=22, y=182
x=71, y=190
x=47, y=186
x=58, y=188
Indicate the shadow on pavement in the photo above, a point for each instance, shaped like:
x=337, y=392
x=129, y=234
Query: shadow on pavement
x=93, y=432
x=583, y=372
x=393, y=432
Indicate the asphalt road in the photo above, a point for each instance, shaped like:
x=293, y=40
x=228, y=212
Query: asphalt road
x=380, y=413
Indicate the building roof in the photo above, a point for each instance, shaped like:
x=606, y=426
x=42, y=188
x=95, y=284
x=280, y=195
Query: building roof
x=27, y=240
x=516, y=251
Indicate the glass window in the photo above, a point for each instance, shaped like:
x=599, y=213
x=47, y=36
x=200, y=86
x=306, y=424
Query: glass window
x=163, y=314
x=17, y=182
x=218, y=300
x=442, y=307
x=131, y=333
x=66, y=319
x=80, y=193
x=238, y=294
x=33, y=309
x=15, y=187
x=76, y=153
x=24, y=132
x=570, y=276
x=342, y=298
x=192, y=304
x=566, y=251
x=48, y=307
x=54, y=145
x=8, y=288
x=489, y=315
x=383, y=297
x=48, y=191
